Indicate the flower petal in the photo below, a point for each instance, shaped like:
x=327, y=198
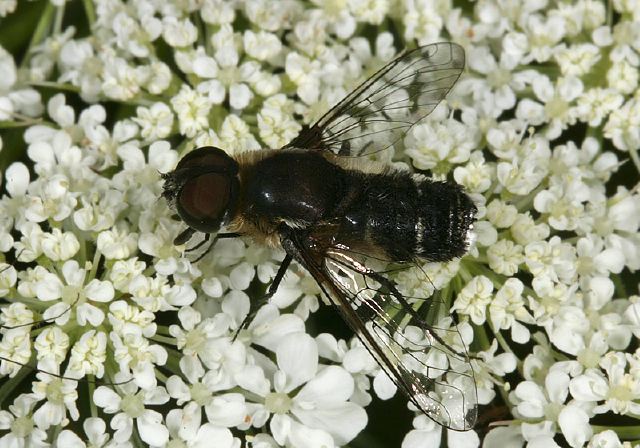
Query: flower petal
x=99, y=291
x=297, y=356
x=151, y=428
x=107, y=399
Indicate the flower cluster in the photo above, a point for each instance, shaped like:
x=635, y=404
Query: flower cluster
x=111, y=336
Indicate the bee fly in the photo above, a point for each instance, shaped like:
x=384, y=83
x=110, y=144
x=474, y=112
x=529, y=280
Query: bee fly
x=332, y=210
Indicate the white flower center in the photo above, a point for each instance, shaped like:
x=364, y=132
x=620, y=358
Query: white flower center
x=22, y=427
x=195, y=341
x=176, y=443
x=589, y=358
x=556, y=108
x=54, y=392
x=498, y=78
x=132, y=405
x=552, y=410
x=200, y=394
x=277, y=403
x=73, y=295
x=229, y=75
x=621, y=392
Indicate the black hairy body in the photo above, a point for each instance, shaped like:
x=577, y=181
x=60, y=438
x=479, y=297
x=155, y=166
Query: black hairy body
x=397, y=215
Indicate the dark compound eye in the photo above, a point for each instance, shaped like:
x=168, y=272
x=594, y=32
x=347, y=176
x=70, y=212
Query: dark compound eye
x=204, y=200
x=209, y=157
x=210, y=186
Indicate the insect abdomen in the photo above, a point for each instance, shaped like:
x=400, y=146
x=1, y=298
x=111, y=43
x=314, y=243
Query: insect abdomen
x=407, y=217
x=446, y=215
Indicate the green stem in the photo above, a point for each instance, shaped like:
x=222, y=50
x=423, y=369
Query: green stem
x=623, y=432
x=90, y=12
x=634, y=157
x=620, y=288
x=25, y=121
x=57, y=26
x=40, y=31
x=55, y=85
x=91, y=386
x=173, y=362
x=12, y=384
x=164, y=339
x=95, y=264
x=164, y=330
x=161, y=376
x=481, y=338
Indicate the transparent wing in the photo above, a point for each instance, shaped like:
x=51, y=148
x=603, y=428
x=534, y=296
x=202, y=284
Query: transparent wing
x=427, y=361
x=381, y=110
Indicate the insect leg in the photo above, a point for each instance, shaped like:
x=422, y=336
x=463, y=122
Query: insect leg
x=273, y=287
x=221, y=236
x=184, y=236
x=412, y=312
x=207, y=236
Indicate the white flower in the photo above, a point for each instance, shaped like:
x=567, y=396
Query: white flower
x=596, y=104
x=476, y=175
x=276, y=128
x=60, y=396
x=184, y=427
x=534, y=402
x=235, y=135
x=261, y=45
x=74, y=294
x=217, y=12
x=18, y=420
x=156, y=122
x=15, y=316
x=134, y=354
x=618, y=389
x=51, y=345
x=427, y=433
x=508, y=307
x=7, y=7
x=81, y=66
x=577, y=60
x=116, y=243
x=432, y=143
x=225, y=72
x=423, y=20
x=15, y=349
x=8, y=277
x=58, y=246
x=178, y=33
x=129, y=405
x=552, y=258
x=543, y=34
x=122, y=81
x=623, y=126
x=370, y=11
x=623, y=77
x=271, y=16
x=559, y=110
x=474, y=298
x=89, y=354
x=108, y=143
x=192, y=109
x=94, y=428
x=498, y=83
x=337, y=16
x=318, y=413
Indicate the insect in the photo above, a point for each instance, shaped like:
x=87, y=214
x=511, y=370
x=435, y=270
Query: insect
x=337, y=214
